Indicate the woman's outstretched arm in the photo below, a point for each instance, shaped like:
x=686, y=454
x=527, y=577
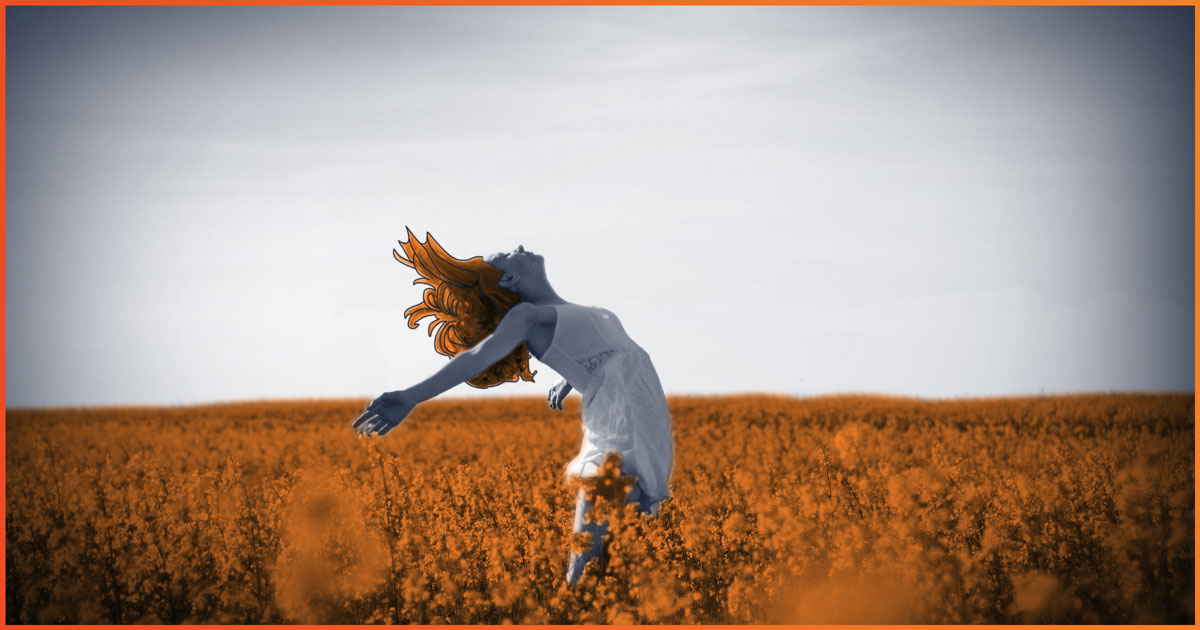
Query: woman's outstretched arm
x=513, y=329
x=388, y=410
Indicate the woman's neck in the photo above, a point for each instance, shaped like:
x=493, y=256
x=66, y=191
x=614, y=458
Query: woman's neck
x=541, y=295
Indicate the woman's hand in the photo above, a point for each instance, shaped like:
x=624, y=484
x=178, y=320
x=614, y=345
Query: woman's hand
x=558, y=393
x=385, y=413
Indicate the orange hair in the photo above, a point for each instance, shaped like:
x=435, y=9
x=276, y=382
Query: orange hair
x=466, y=302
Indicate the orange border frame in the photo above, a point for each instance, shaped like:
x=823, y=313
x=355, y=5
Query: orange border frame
x=611, y=3
x=4, y=182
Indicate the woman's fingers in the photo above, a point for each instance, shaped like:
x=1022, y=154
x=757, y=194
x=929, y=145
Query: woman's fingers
x=369, y=422
x=380, y=419
x=364, y=417
x=368, y=411
x=369, y=425
x=384, y=414
x=372, y=426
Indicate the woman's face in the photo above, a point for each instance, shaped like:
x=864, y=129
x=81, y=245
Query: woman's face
x=517, y=260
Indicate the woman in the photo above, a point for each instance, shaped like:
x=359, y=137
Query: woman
x=624, y=408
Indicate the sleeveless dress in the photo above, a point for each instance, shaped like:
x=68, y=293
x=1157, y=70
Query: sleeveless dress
x=624, y=407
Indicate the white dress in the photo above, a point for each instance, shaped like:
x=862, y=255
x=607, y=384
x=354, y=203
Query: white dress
x=624, y=407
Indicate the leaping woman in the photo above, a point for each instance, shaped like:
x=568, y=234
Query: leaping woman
x=490, y=314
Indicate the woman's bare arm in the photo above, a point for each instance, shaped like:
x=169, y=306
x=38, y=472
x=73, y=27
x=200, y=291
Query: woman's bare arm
x=388, y=410
x=513, y=329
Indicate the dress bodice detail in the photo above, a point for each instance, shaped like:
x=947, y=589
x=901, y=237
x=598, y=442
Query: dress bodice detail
x=590, y=363
x=585, y=339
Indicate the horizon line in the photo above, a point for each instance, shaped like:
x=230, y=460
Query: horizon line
x=670, y=396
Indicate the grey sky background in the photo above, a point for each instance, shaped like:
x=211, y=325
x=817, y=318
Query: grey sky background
x=939, y=202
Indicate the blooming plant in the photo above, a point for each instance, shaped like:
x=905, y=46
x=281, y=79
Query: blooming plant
x=1052, y=509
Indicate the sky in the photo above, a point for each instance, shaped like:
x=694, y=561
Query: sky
x=939, y=202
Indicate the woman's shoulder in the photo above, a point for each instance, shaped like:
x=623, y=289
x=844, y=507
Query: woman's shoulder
x=533, y=313
x=590, y=307
x=548, y=313
x=594, y=310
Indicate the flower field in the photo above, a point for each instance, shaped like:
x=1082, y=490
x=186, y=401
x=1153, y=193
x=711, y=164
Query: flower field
x=1074, y=509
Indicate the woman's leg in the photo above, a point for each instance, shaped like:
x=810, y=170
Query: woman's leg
x=576, y=562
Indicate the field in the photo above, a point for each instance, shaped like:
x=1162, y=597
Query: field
x=863, y=509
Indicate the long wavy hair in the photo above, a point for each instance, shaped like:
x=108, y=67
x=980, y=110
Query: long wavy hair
x=466, y=301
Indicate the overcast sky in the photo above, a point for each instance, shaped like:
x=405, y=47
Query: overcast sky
x=940, y=202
